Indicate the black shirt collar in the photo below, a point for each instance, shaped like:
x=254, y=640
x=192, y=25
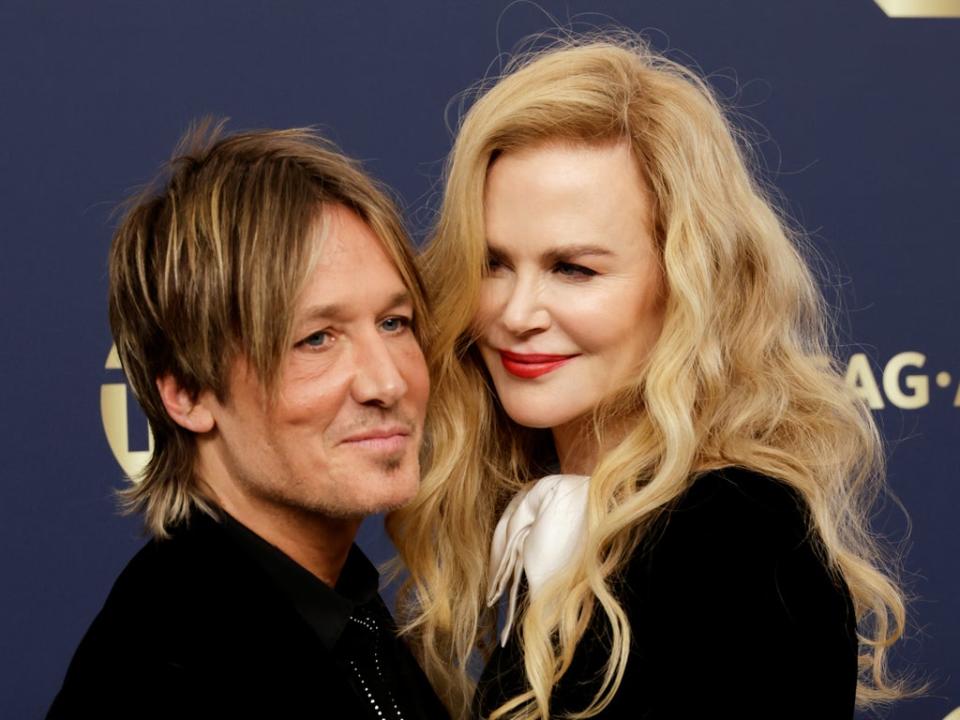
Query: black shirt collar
x=325, y=609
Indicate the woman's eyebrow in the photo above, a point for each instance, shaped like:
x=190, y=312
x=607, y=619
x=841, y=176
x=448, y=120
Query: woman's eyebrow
x=561, y=252
x=564, y=252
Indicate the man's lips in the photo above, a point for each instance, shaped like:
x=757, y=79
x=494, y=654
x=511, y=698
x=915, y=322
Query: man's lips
x=531, y=365
x=388, y=437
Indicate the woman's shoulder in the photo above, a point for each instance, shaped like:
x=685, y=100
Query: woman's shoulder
x=735, y=564
x=741, y=538
x=730, y=525
x=733, y=572
x=733, y=505
x=740, y=489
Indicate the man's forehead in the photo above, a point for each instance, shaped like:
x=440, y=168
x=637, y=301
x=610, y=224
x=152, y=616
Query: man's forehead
x=338, y=232
x=351, y=269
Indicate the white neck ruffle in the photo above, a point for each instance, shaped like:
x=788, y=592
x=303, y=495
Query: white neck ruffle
x=541, y=532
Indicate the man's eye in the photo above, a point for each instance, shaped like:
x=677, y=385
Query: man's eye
x=319, y=339
x=396, y=323
x=573, y=271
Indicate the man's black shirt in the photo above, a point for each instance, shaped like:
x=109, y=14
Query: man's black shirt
x=351, y=621
x=327, y=610
x=214, y=622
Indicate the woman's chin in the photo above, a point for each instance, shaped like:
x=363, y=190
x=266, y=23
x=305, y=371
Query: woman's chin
x=537, y=419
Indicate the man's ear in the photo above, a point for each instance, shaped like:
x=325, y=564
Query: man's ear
x=187, y=411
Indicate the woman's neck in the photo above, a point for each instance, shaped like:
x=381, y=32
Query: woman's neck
x=579, y=450
x=577, y=447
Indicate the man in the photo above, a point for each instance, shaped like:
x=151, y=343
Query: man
x=267, y=311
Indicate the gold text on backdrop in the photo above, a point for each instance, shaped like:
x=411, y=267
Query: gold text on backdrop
x=116, y=426
x=920, y=8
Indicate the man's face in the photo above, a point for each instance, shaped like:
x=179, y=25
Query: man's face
x=341, y=437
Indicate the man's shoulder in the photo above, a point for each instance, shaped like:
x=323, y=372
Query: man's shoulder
x=188, y=613
x=195, y=561
x=164, y=589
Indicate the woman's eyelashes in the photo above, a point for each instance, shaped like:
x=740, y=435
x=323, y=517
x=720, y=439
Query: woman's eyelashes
x=573, y=270
x=493, y=264
x=570, y=270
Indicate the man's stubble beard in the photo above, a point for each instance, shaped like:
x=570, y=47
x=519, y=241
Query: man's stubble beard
x=351, y=508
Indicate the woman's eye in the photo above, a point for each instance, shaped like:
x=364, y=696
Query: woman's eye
x=319, y=339
x=493, y=264
x=574, y=271
x=396, y=323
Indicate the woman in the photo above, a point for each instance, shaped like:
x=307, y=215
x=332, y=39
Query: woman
x=619, y=302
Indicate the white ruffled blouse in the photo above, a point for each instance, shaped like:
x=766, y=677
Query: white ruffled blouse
x=541, y=531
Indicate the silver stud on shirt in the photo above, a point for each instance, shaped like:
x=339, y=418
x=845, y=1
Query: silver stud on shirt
x=370, y=625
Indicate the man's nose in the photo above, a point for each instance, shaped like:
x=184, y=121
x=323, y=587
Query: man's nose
x=377, y=378
x=524, y=311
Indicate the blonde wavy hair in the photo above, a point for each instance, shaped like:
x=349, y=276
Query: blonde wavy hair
x=741, y=376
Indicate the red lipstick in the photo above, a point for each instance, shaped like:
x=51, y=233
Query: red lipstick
x=531, y=365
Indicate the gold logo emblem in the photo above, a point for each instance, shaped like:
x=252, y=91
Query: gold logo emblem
x=116, y=423
x=920, y=8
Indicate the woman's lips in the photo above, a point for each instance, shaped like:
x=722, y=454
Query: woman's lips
x=531, y=365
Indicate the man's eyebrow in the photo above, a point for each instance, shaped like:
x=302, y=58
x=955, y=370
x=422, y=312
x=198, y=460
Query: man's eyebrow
x=339, y=312
x=398, y=298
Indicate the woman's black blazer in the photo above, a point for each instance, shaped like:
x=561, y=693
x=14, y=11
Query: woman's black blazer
x=733, y=614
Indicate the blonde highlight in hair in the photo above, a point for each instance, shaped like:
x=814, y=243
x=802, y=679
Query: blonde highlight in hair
x=741, y=375
x=207, y=264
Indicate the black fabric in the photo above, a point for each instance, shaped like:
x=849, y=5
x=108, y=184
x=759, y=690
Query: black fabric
x=326, y=610
x=195, y=627
x=733, y=614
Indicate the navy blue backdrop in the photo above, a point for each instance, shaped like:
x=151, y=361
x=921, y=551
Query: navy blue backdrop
x=855, y=112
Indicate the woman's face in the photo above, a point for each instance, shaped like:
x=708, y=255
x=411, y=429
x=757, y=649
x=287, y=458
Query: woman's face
x=573, y=298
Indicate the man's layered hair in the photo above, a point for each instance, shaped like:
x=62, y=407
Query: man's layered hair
x=207, y=265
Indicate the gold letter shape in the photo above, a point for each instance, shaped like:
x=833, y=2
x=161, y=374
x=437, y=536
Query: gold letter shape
x=113, y=412
x=920, y=8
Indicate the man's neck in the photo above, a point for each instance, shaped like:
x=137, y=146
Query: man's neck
x=318, y=543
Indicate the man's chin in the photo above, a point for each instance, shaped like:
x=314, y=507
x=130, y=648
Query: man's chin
x=388, y=492
x=405, y=492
